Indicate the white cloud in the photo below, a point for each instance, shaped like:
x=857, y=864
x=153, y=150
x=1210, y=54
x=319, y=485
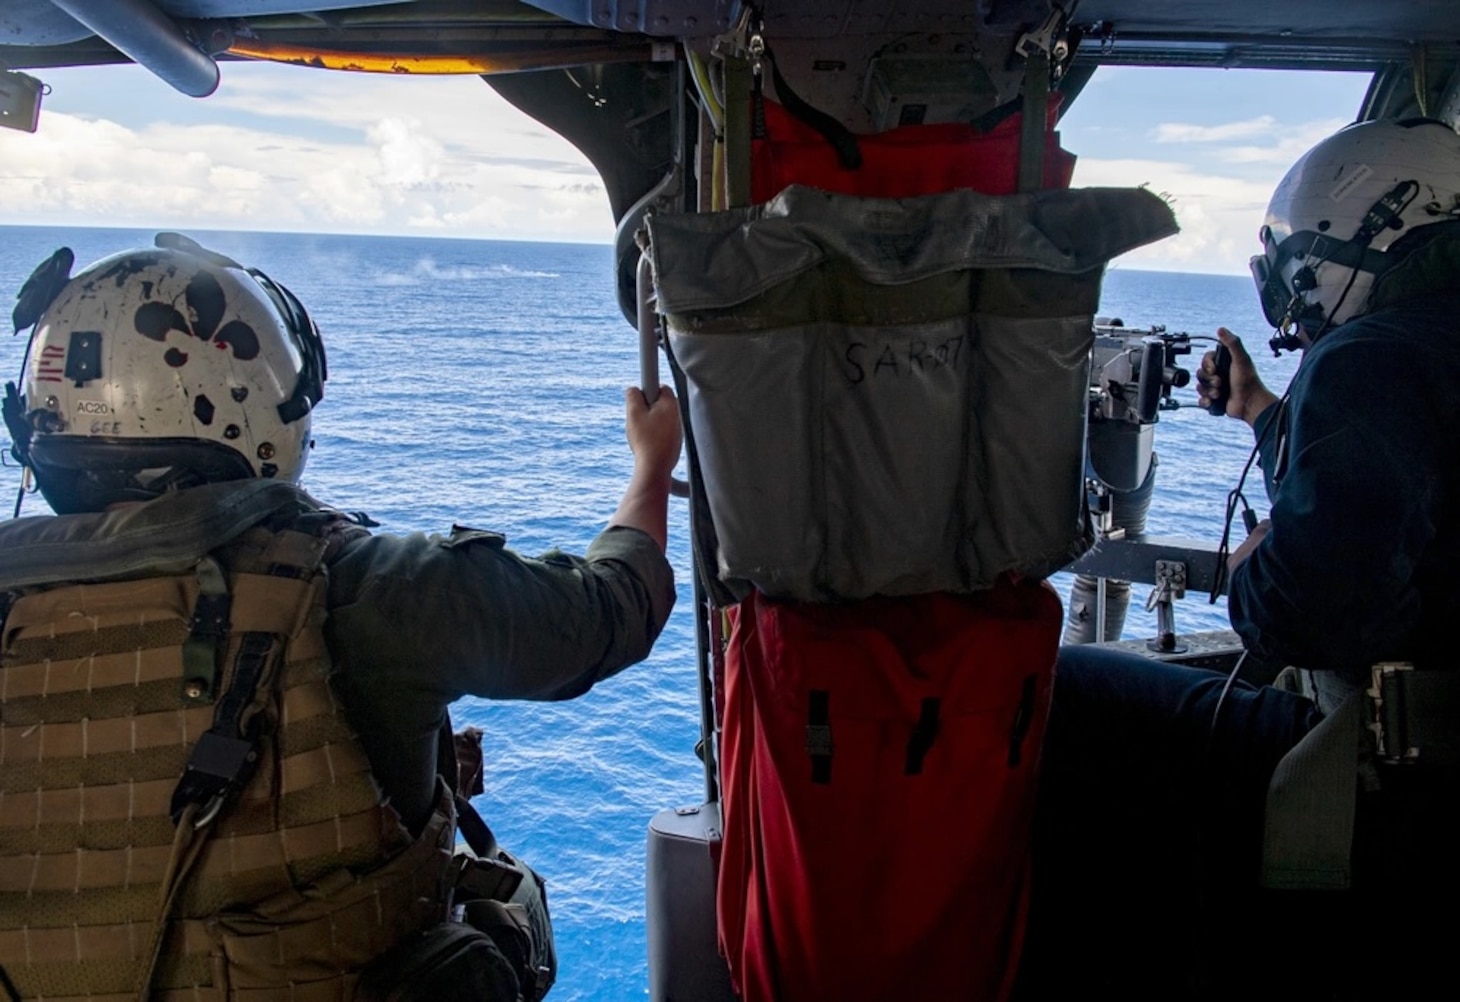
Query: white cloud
x=1291, y=143
x=1181, y=132
x=1218, y=213
x=1268, y=140
x=409, y=157
x=464, y=114
x=285, y=148
x=295, y=149
x=346, y=197
x=1218, y=178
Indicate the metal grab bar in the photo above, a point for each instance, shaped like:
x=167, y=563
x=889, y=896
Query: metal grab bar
x=649, y=348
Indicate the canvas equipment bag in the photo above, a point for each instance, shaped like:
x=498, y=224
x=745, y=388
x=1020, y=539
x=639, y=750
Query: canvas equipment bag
x=154, y=670
x=888, y=396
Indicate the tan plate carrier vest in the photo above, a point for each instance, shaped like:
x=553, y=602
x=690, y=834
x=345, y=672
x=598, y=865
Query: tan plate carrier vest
x=298, y=882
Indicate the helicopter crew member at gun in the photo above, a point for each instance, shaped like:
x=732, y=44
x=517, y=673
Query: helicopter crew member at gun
x=1356, y=567
x=226, y=764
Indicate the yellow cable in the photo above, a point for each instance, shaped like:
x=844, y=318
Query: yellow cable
x=411, y=63
x=706, y=90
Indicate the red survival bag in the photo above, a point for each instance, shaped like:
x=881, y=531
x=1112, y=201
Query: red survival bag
x=903, y=162
x=878, y=765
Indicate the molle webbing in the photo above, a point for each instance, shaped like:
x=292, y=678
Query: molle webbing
x=95, y=732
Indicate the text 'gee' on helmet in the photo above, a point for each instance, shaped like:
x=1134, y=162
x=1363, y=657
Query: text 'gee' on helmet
x=1341, y=216
x=158, y=369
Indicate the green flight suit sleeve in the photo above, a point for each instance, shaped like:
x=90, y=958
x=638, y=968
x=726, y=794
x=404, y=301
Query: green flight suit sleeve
x=449, y=616
x=416, y=622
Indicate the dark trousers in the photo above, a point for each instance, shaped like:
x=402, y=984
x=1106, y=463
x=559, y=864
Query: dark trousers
x=1148, y=844
x=1149, y=827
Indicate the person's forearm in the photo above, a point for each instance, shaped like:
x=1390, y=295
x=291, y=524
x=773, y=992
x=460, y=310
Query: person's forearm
x=645, y=505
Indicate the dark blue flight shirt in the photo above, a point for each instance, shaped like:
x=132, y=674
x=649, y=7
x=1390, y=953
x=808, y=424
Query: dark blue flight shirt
x=1362, y=562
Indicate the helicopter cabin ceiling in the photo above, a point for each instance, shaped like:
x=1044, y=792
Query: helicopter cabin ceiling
x=1295, y=33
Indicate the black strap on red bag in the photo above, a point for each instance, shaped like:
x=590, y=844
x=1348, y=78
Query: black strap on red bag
x=842, y=139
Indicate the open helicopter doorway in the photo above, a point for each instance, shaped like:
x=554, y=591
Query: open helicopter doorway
x=1214, y=143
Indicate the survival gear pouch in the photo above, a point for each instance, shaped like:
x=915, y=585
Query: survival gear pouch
x=520, y=925
x=499, y=946
x=495, y=949
x=496, y=892
x=186, y=677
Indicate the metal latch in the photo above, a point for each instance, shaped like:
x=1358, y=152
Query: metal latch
x=1049, y=38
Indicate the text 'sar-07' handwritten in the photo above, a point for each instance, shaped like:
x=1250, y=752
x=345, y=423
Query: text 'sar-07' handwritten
x=910, y=358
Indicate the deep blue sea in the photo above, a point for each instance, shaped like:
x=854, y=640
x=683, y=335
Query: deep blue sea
x=480, y=383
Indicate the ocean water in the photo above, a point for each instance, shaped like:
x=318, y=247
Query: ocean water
x=480, y=383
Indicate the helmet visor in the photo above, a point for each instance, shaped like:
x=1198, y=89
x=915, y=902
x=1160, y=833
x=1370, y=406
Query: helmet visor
x=1272, y=291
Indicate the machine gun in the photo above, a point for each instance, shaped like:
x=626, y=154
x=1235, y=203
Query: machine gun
x=1132, y=373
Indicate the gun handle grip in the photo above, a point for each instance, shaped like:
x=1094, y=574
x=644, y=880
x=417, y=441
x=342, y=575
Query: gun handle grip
x=1223, y=360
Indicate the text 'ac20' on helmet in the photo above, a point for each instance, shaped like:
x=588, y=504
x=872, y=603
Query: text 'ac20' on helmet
x=159, y=369
x=1342, y=215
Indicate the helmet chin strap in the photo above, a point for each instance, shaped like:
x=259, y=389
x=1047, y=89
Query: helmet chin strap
x=1285, y=339
x=1382, y=215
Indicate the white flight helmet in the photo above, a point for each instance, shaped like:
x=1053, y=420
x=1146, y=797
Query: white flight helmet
x=155, y=370
x=1341, y=216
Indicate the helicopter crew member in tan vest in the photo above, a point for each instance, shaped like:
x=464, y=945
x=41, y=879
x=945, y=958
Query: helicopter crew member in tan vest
x=225, y=756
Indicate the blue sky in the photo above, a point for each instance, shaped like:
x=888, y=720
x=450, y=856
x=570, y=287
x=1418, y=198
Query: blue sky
x=286, y=148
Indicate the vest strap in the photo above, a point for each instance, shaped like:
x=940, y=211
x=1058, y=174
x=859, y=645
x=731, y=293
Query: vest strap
x=223, y=760
x=206, y=632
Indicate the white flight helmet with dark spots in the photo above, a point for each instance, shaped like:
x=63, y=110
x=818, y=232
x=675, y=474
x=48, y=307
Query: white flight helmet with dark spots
x=159, y=369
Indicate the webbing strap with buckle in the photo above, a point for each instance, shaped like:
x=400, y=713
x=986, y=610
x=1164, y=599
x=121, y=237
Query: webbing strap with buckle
x=486, y=873
x=1032, y=128
x=1414, y=714
x=223, y=760
x=207, y=631
x=486, y=878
